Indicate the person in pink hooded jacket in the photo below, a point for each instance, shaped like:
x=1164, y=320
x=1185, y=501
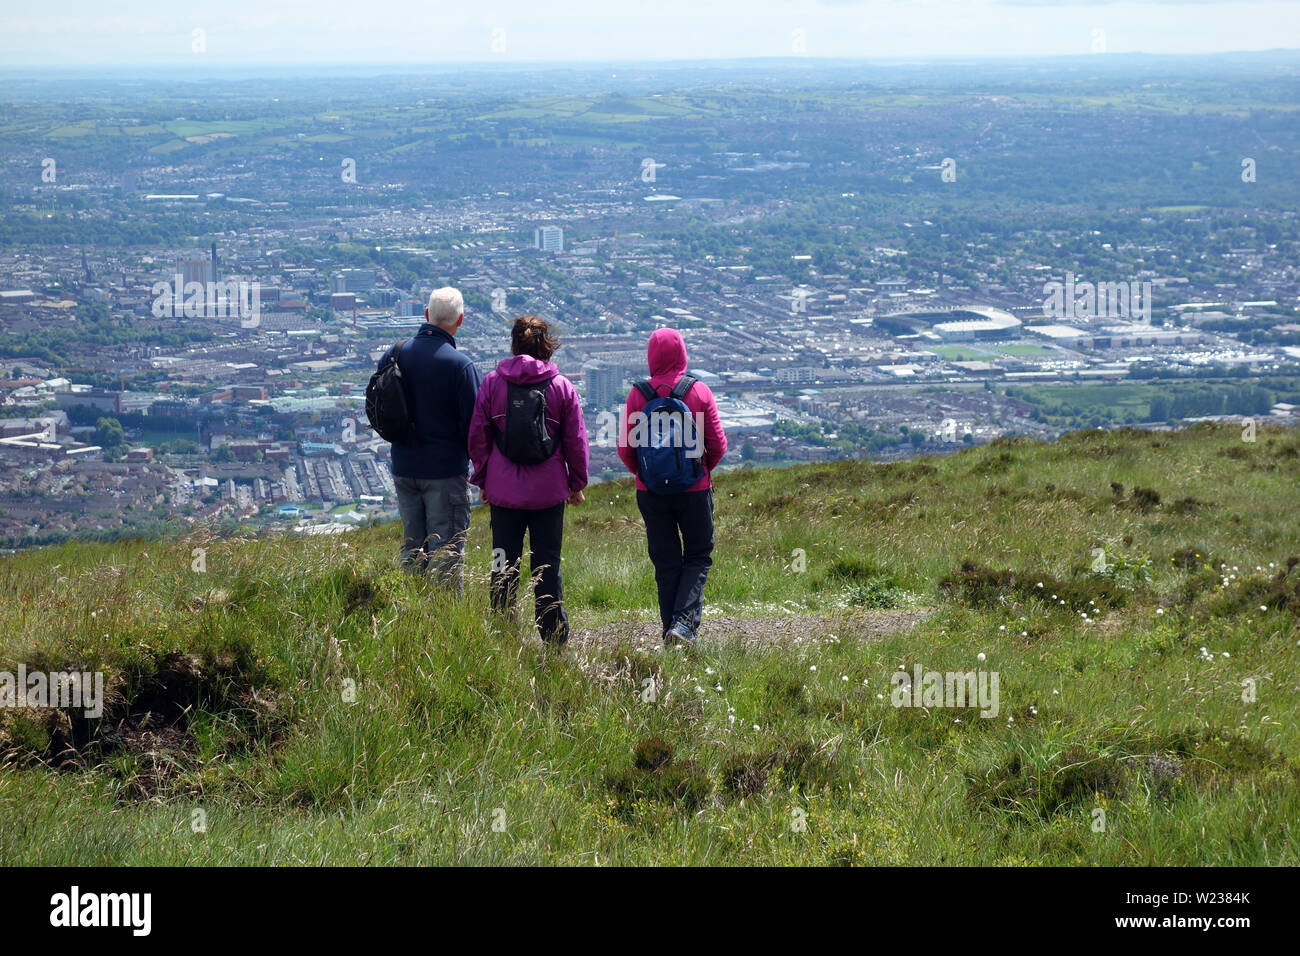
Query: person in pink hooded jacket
x=678, y=525
x=529, y=496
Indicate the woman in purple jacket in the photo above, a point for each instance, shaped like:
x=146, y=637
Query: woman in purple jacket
x=529, y=496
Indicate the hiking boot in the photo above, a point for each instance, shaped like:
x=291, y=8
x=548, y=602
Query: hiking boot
x=679, y=633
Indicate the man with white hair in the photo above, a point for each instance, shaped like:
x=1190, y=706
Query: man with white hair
x=430, y=468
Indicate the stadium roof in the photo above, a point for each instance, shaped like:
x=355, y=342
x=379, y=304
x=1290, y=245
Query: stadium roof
x=1056, y=331
x=989, y=318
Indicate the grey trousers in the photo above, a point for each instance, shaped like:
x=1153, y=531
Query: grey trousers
x=435, y=524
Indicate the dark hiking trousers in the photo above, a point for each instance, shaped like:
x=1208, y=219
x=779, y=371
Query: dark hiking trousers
x=545, y=527
x=435, y=523
x=679, y=531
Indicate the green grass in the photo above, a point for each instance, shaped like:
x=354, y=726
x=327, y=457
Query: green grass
x=1075, y=405
x=1028, y=351
x=342, y=712
x=157, y=436
x=187, y=128
x=1120, y=396
x=959, y=353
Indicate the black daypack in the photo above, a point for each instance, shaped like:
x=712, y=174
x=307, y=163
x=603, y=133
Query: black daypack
x=524, y=438
x=387, y=406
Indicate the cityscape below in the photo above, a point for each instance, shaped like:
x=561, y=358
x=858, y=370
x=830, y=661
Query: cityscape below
x=195, y=285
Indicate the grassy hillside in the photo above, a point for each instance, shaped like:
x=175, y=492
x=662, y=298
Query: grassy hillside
x=302, y=701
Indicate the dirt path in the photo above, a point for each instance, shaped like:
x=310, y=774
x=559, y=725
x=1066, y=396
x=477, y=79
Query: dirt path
x=757, y=632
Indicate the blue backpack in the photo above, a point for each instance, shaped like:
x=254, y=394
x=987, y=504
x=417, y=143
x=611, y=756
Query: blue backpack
x=664, y=467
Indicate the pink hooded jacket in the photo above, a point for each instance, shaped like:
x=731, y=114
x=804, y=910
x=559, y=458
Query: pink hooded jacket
x=666, y=355
x=547, y=483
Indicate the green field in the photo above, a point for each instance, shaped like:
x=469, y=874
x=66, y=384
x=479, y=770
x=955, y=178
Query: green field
x=157, y=436
x=1112, y=401
x=1028, y=351
x=301, y=701
x=1085, y=405
x=960, y=353
x=187, y=128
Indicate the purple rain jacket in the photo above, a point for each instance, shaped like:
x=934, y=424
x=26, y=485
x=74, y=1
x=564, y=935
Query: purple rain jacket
x=547, y=483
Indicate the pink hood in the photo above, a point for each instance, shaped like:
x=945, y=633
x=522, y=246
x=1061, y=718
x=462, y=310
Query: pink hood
x=666, y=355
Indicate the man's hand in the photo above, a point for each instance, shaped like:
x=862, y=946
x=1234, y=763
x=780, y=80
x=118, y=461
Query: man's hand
x=577, y=498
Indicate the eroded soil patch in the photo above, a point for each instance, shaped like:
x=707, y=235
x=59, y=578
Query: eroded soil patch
x=145, y=733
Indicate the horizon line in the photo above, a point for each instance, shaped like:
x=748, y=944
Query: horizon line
x=389, y=68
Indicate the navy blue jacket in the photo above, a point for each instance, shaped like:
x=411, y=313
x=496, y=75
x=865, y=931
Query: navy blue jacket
x=441, y=385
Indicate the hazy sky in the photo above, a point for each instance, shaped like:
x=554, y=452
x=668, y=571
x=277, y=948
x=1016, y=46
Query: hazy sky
x=151, y=33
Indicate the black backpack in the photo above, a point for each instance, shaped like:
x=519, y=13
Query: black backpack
x=387, y=406
x=524, y=439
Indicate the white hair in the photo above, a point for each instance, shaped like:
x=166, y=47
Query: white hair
x=446, y=305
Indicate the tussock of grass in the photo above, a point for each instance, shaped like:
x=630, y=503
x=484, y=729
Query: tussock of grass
x=674, y=787
x=987, y=587
x=1167, y=765
x=1074, y=778
x=1280, y=592
x=799, y=764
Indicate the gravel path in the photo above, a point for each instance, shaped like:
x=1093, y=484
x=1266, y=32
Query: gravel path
x=757, y=632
